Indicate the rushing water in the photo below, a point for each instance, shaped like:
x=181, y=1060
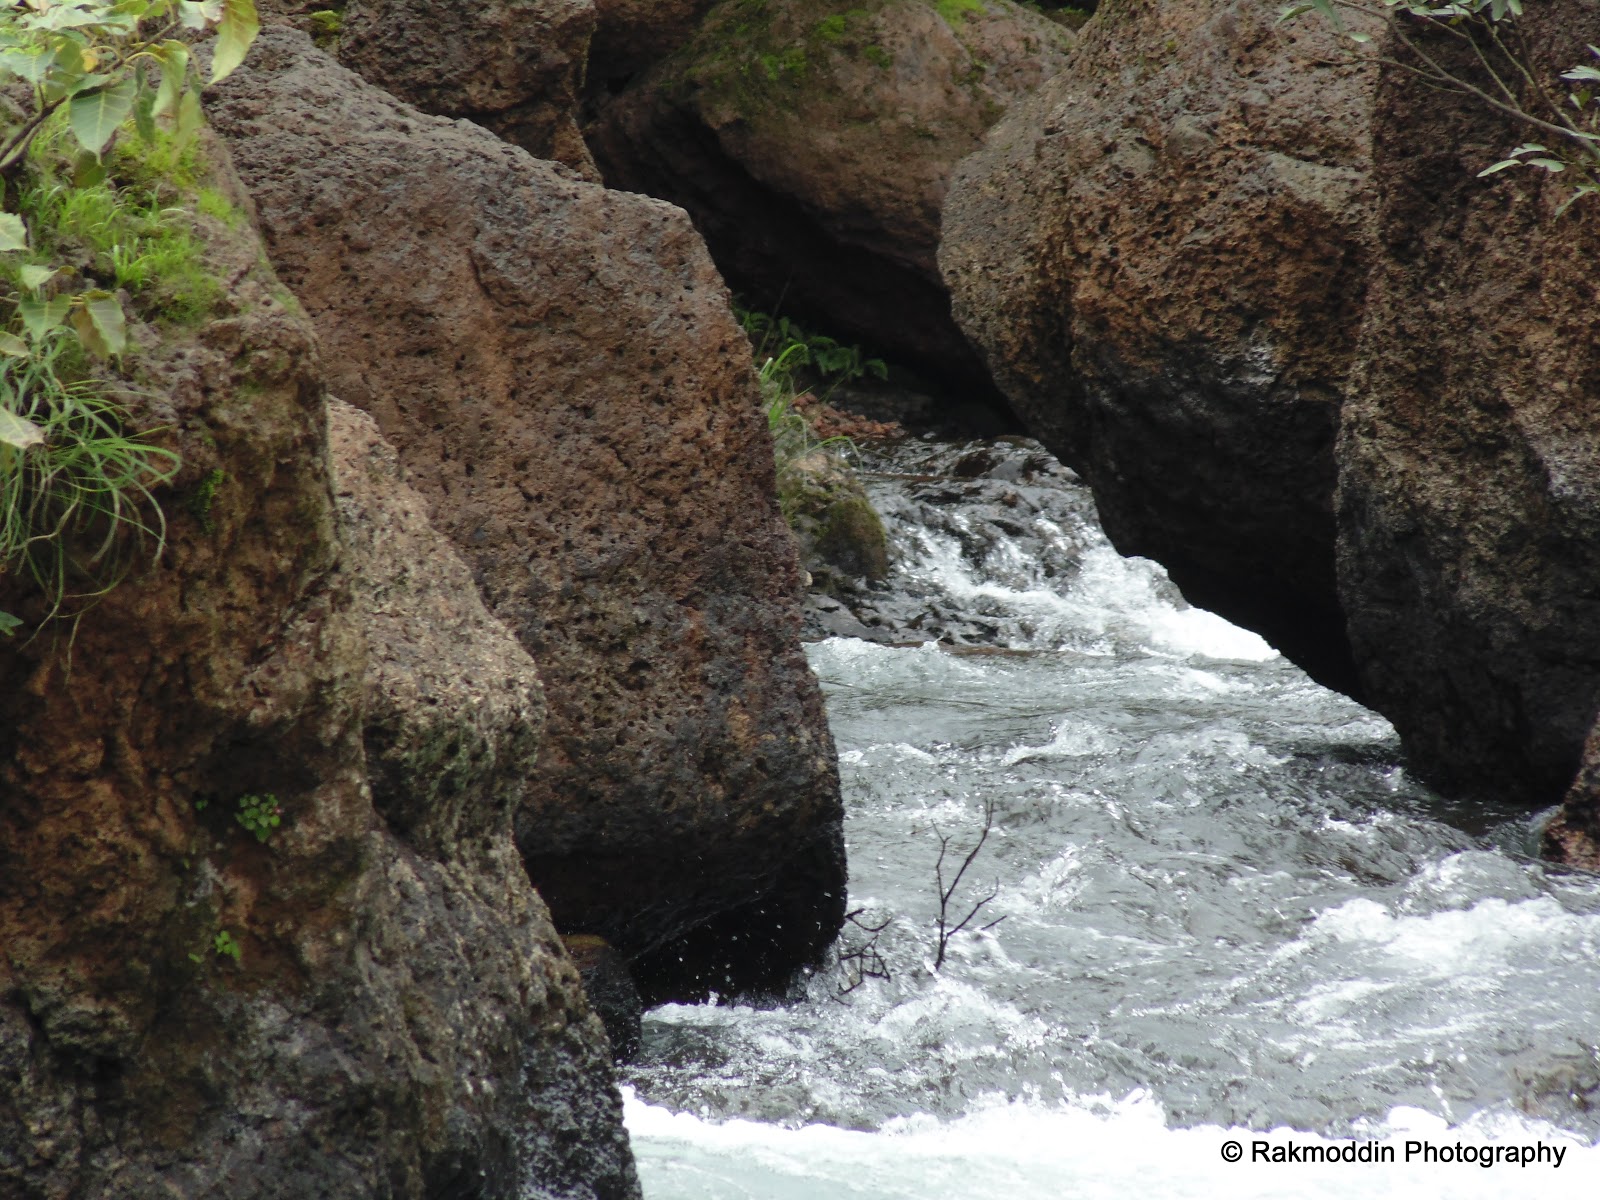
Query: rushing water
x=1226, y=908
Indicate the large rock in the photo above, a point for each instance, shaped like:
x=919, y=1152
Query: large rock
x=390, y=1013
x=813, y=140
x=560, y=373
x=1469, y=495
x=1162, y=256
x=513, y=66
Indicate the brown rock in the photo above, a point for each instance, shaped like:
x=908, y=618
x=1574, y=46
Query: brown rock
x=812, y=141
x=513, y=66
x=560, y=373
x=1469, y=493
x=341, y=1040
x=1573, y=835
x=1162, y=256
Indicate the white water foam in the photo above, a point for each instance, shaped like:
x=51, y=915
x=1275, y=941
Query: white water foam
x=1092, y=1149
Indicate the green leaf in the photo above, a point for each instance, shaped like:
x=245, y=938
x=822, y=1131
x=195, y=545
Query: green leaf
x=13, y=233
x=18, y=432
x=35, y=277
x=105, y=315
x=144, y=115
x=189, y=120
x=31, y=63
x=40, y=317
x=1554, y=165
x=174, y=75
x=15, y=347
x=9, y=624
x=199, y=15
x=96, y=115
x=238, y=29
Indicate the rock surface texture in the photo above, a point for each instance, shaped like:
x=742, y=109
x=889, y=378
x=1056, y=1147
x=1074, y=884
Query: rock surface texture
x=813, y=140
x=513, y=66
x=1469, y=495
x=377, y=976
x=630, y=35
x=1573, y=835
x=558, y=368
x=1162, y=256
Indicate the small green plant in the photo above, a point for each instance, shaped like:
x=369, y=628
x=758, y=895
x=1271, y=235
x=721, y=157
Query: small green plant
x=223, y=945
x=793, y=349
x=203, y=498
x=260, y=815
x=326, y=26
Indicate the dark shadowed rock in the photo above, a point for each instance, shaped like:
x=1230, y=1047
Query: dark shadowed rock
x=1162, y=256
x=559, y=370
x=1573, y=835
x=1469, y=495
x=630, y=35
x=812, y=141
x=398, y=1018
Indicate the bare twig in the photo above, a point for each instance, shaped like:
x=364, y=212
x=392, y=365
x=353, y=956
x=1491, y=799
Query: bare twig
x=865, y=961
x=947, y=929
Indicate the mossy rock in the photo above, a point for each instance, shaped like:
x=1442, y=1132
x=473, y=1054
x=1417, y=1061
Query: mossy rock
x=841, y=536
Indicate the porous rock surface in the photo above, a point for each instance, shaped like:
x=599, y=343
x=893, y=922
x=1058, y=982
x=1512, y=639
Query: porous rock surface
x=812, y=141
x=558, y=368
x=399, y=1019
x=1469, y=490
x=1573, y=835
x=514, y=66
x=1162, y=256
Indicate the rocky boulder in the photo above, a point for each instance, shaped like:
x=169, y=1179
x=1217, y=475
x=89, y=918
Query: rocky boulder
x=342, y=1006
x=559, y=370
x=1469, y=492
x=1162, y=256
x=812, y=141
x=513, y=66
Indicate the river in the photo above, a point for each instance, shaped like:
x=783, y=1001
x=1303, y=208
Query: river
x=1226, y=912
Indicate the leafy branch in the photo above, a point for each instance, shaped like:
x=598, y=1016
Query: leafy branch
x=948, y=929
x=1563, y=110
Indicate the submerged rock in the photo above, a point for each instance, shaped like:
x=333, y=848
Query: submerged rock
x=559, y=370
x=1469, y=490
x=812, y=141
x=1162, y=256
x=344, y=1006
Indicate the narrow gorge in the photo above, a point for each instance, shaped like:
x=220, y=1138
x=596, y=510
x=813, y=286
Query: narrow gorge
x=1125, y=473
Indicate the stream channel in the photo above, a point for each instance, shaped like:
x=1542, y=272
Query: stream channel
x=1228, y=911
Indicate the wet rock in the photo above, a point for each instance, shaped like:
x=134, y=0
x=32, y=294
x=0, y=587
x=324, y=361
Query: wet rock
x=1005, y=512
x=559, y=370
x=1469, y=492
x=1162, y=256
x=612, y=993
x=841, y=537
x=812, y=141
x=348, y=1007
x=1573, y=834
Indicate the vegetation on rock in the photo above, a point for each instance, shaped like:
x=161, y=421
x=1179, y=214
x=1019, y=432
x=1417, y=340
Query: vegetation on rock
x=94, y=166
x=1560, y=108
